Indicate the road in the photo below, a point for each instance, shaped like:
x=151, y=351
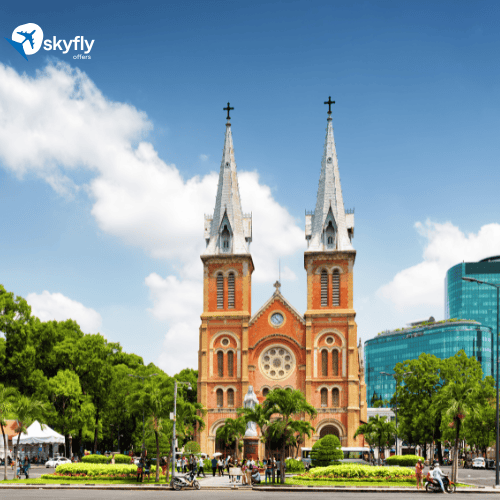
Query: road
x=35, y=472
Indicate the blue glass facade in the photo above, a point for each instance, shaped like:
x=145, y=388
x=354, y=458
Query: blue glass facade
x=443, y=339
x=468, y=300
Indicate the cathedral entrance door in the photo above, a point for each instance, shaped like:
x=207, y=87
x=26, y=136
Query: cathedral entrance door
x=329, y=429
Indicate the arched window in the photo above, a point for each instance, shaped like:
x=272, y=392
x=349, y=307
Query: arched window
x=230, y=364
x=225, y=237
x=265, y=392
x=220, y=291
x=220, y=364
x=330, y=240
x=324, y=397
x=230, y=397
x=335, y=363
x=220, y=398
x=324, y=363
x=330, y=236
x=336, y=288
x=230, y=291
x=324, y=288
x=335, y=398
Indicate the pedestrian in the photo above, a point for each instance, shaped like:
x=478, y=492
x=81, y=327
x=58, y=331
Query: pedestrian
x=140, y=469
x=179, y=464
x=214, y=466
x=269, y=470
x=419, y=473
x=220, y=465
x=201, y=467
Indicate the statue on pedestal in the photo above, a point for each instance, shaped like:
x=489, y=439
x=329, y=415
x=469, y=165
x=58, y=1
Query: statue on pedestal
x=249, y=402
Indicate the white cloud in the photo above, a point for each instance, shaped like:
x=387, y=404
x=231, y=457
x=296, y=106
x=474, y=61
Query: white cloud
x=59, y=122
x=423, y=283
x=55, y=306
x=203, y=157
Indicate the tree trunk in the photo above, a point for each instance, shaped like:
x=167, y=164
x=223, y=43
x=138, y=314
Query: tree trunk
x=440, y=452
x=157, y=477
x=274, y=470
x=16, y=450
x=5, y=444
x=282, y=465
x=96, y=430
x=455, y=452
x=167, y=475
x=70, y=439
x=236, y=449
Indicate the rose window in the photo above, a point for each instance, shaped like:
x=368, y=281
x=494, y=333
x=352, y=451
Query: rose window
x=277, y=362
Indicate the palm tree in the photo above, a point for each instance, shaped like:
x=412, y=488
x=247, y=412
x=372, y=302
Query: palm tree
x=5, y=408
x=27, y=410
x=377, y=430
x=232, y=430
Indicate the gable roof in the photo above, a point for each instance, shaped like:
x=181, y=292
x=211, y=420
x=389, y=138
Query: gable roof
x=276, y=296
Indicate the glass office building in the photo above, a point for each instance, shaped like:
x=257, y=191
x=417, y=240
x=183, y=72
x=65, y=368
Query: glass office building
x=443, y=339
x=468, y=300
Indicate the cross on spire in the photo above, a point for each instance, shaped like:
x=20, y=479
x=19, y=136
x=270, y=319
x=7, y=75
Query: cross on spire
x=277, y=285
x=228, y=109
x=329, y=102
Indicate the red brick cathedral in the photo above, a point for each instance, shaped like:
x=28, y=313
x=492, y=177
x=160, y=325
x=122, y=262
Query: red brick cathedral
x=315, y=352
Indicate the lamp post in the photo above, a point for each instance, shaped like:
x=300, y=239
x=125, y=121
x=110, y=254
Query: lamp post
x=175, y=419
x=143, y=432
x=497, y=470
x=396, y=393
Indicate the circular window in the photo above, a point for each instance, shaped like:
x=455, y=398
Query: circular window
x=329, y=340
x=277, y=319
x=329, y=160
x=277, y=362
x=225, y=342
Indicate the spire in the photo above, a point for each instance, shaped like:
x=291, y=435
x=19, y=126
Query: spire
x=328, y=228
x=229, y=231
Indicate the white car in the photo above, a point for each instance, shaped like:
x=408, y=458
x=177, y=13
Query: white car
x=479, y=463
x=57, y=461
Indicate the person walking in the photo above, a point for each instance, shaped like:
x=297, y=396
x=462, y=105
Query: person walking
x=269, y=470
x=419, y=473
x=214, y=466
x=201, y=467
x=220, y=465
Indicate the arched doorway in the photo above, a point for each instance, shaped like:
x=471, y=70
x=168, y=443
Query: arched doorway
x=329, y=429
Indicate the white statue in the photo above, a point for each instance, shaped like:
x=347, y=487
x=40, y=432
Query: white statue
x=249, y=402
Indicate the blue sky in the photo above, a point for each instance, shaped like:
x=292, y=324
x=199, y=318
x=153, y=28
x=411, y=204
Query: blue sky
x=108, y=164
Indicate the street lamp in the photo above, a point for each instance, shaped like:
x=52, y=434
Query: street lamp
x=143, y=432
x=497, y=470
x=189, y=388
x=396, y=393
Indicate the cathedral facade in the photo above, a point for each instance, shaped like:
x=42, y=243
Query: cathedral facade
x=316, y=352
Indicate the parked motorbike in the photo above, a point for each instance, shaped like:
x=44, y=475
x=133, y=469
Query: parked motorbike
x=186, y=481
x=433, y=486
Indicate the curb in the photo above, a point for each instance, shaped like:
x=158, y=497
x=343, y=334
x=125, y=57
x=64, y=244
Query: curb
x=364, y=489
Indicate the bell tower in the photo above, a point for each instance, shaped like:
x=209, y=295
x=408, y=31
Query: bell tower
x=227, y=272
x=334, y=378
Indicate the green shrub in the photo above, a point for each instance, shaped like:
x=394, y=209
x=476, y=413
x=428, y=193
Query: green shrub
x=326, y=451
x=351, y=470
x=82, y=470
x=122, y=459
x=293, y=465
x=192, y=447
x=403, y=460
x=95, y=459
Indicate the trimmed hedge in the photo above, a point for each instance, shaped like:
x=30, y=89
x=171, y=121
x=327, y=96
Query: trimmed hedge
x=121, y=459
x=293, y=465
x=108, y=471
x=358, y=471
x=95, y=459
x=403, y=460
x=326, y=451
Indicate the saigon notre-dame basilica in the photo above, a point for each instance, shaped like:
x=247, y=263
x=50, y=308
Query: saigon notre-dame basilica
x=277, y=346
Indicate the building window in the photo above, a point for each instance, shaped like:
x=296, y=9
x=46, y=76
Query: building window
x=220, y=364
x=324, y=397
x=335, y=363
x=230, y=397
x=265, y=392
x=324, y=288
x=230, y=291
x=335, y=288
x=324, y=363
x=230, y=363
x=335, y=398
x=220, y=398
x=220, y=291
x=225, y=237
x=330, y=240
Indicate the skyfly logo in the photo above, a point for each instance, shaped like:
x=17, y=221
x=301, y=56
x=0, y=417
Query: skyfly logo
x=27, y=39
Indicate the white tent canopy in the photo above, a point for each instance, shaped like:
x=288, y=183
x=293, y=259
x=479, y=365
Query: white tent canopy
x=37, y=435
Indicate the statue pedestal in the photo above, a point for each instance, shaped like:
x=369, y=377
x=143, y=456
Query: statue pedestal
x=251, y=447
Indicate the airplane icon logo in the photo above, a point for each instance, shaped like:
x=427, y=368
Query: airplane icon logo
x=29, y=32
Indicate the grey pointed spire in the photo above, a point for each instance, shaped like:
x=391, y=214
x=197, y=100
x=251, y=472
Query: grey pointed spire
x=229, y=231
x=329, y=218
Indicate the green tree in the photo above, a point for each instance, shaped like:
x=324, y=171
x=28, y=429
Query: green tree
x=326, y=451
x=6, y=407
x=378, y=430
x=231, y=432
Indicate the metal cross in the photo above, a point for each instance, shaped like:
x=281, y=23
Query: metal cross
x=228, y=109
x=277, y=285
x=329, y=102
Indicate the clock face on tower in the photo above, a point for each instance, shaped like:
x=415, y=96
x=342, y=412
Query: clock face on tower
x=277, y=319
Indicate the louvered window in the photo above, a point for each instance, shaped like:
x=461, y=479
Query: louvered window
x=324, y=397
x=220, y=291
x=324, y=363
x=336, y=288
x=324, y=288
x=230, y=363
x=335, y=363
x=230, y=291
x=230, y=397
x=335, y=398
x=220, y=364
x=220, y=398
